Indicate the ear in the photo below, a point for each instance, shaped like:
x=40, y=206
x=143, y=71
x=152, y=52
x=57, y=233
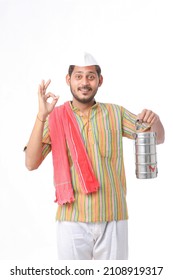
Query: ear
x=100, y=80
x=68, y=79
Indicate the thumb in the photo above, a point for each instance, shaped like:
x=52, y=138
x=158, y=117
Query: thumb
x=54, y=101
x=141, y=115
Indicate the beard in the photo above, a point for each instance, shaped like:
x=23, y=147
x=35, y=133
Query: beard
x=86, y=99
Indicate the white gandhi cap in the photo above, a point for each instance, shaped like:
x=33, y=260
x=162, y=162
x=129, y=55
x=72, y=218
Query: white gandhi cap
x=83, y=59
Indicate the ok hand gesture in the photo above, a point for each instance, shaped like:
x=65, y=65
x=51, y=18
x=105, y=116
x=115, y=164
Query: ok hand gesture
x=45, y=108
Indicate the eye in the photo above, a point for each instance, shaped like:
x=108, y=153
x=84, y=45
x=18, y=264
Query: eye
x=78, y=76
x=91, y=77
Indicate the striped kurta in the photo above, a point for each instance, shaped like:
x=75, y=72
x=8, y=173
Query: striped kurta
x=102, y=131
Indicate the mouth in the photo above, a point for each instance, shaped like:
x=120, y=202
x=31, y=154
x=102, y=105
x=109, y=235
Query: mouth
x=85, y=90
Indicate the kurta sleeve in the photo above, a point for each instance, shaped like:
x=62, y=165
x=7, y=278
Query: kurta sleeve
x=129, y=124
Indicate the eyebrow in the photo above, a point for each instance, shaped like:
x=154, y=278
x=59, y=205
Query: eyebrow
x=81, y=72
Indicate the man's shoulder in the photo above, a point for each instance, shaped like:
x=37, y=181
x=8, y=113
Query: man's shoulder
x=110, y=106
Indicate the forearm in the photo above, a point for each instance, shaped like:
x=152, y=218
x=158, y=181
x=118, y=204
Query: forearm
x=33, y=153
x=160, y=132
x=33, y=156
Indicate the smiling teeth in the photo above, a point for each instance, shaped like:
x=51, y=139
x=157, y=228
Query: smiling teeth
x=83, y=89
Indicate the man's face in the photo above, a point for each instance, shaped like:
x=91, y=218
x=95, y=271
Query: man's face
x=84, y=83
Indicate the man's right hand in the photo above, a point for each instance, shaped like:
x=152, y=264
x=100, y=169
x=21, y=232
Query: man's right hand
x=45, y=108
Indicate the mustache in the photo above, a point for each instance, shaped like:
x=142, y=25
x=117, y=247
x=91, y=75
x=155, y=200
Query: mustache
x=85, y=88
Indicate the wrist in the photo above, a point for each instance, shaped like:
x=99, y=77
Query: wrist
x=42, y=118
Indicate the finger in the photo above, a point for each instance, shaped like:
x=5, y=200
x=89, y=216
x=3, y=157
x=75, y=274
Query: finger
x=54, y=101
x=141, y=115
x=40, y=90
x=144, y=115
x=43, y=88
x=147, y=116
x=151, y=117
x=50, y=94
x=47, y=84
x=42, y=83
x=154, y=119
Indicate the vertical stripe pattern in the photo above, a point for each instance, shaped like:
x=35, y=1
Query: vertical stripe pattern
x=102, y=131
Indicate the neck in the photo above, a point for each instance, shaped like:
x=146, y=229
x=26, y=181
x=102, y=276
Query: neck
x=84, y=108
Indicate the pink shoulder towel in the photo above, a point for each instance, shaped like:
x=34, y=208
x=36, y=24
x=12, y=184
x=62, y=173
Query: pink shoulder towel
x=64, y=131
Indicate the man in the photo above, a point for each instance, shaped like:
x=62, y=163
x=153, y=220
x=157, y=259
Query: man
x=86, y=138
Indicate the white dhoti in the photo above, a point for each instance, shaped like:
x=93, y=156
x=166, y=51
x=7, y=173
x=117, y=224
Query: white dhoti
x=87, y=241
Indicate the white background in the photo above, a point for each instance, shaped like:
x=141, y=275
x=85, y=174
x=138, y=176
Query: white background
x=132, y=40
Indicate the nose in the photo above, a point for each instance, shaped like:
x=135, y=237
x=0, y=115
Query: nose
x=85, y=81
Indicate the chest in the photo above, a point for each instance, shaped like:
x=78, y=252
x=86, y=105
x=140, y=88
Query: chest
x=102, y=133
